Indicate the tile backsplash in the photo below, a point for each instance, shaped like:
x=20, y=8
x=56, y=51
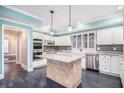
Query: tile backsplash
x=110, y=47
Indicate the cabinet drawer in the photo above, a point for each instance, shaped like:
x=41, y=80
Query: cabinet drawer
x=104, y=60
x=105, y=68
x=107, y=63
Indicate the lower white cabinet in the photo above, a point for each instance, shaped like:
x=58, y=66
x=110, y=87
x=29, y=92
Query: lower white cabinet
x=122, y=71
x=115, y=64
x=104, y=63
x=109, y=64
x=40, y=63
x=83, y=63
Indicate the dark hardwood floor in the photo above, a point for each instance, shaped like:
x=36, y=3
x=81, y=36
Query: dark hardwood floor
x=37, y=79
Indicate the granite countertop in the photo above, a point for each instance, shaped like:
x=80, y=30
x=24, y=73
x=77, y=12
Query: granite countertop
x=105, y=53
x=64, y=57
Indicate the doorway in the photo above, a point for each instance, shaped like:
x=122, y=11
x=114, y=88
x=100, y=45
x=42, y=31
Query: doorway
x=15, y=47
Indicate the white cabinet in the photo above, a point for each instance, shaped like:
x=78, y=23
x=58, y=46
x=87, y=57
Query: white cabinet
x=85, y=40
x=89, y=40
x=110, y=36
x=122, y=71
x=115, y=64
x=37, y=35
x=105, y=36
x=104, y=63
x=110, y=64
x=34, y=35
x=99, y=37
x=62, y=41
x=118, y=35
x=83, y=63
x=40, y=63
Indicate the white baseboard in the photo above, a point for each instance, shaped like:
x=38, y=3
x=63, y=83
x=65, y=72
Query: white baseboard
x=26, y=67
x=30, y=69
x=1, y=77
x=117, y=75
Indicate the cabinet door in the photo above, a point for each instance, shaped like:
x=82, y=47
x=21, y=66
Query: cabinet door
x=91, y=40
x=115, y=64
x=74, y=40
x=85, y=40
x=79, y=41
x=107, y=36
x=104, y=60
x=118, y=35
x=35, y=35
x=121, y=70
x=62, y=41
x=99, y=37
x=104, y=63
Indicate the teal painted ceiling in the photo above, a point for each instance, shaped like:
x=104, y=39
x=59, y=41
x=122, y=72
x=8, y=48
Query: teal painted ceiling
x=110, y=21
x=20, y=17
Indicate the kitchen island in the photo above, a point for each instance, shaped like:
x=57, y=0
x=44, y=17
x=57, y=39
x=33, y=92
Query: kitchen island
x=64, y=69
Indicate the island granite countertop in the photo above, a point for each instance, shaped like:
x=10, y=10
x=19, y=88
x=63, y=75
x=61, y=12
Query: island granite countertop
x=64, y=57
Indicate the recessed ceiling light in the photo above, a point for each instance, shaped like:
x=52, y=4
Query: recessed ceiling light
x=120, y=7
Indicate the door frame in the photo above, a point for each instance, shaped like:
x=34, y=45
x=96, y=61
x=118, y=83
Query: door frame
x=28, y=57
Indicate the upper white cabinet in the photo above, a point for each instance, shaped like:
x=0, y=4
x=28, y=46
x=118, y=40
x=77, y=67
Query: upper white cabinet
x=62, y=41
x=76, y=41
x=110, y=36
x=118, y=35
x=85, y=40
x=89, y=40
x=37, y=35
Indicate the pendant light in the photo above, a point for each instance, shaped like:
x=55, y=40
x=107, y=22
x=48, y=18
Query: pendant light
x=69, y=26
x=51, y=28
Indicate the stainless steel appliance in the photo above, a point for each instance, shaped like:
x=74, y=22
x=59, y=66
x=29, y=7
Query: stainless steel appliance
x=92, y=62
x=48, y=43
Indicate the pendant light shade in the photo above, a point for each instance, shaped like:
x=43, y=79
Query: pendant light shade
x=69, y=26
x=51, y=28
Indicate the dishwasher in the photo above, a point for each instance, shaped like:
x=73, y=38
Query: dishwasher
x=92, y=62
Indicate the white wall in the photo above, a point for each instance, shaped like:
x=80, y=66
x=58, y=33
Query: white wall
x=23, y=48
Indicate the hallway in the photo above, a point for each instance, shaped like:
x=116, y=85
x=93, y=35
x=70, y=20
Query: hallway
x=12, y=69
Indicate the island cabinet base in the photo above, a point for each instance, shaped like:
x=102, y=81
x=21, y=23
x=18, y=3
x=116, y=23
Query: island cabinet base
x=66, y=74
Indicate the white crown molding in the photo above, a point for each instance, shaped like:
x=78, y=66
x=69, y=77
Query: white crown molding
x=17, y=22
x=23, y=12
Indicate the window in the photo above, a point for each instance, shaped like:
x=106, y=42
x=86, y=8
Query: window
x=6, y=46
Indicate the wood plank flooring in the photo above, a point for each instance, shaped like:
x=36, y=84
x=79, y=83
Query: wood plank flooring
x=37, y=79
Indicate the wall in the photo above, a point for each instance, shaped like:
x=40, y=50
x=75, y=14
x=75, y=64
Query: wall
x=23, y=40
x=13, y=14
x=0, y=49
x=30, y=47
